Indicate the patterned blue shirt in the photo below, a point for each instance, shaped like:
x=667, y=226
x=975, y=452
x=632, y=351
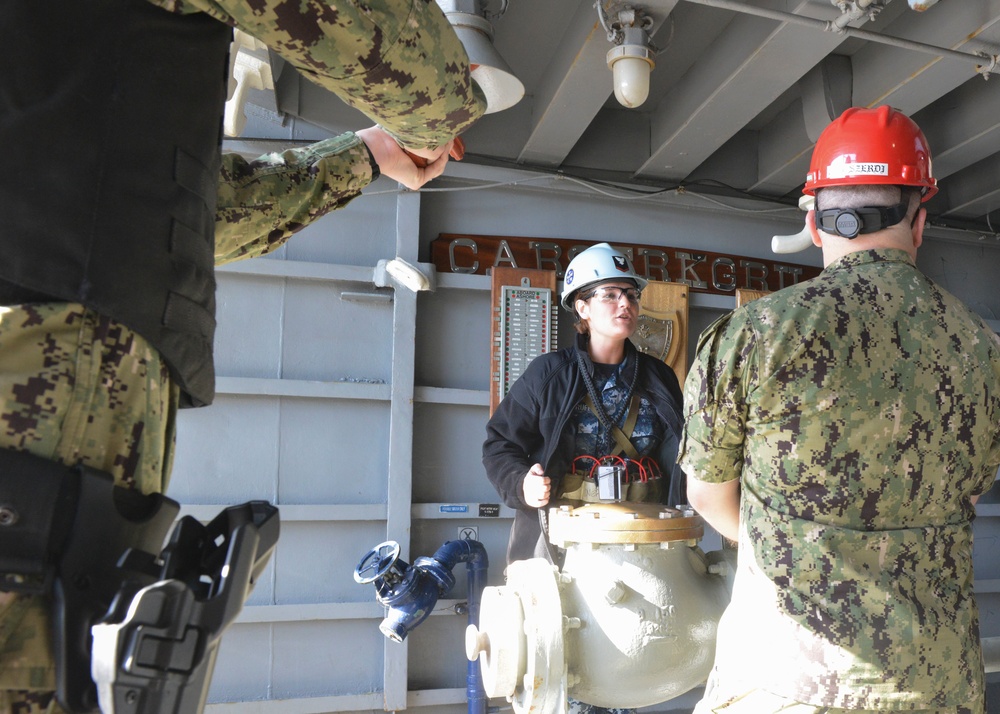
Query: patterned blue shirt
x=592, y=438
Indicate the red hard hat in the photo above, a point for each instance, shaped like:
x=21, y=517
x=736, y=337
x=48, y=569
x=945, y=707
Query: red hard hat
x=865, y=146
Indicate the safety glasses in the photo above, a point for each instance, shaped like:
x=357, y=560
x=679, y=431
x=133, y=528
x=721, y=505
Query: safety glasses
x=611, y=295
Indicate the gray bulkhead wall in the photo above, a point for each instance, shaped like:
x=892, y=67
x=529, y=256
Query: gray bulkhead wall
x=360, y=411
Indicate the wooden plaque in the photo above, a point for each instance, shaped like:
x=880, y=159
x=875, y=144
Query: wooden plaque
x=524, y=307
x=745, y=295
x=663, y=324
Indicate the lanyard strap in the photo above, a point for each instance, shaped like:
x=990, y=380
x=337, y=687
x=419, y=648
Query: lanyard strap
x=622, y=437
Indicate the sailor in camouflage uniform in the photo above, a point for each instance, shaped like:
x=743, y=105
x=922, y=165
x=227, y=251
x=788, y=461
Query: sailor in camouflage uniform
x=78, y=386
x=842, y=429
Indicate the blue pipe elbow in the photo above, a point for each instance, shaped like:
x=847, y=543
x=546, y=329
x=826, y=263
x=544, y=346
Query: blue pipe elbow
x=411, y=592
x=409, y=604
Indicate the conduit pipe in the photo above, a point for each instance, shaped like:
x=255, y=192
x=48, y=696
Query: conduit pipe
x=828, y=26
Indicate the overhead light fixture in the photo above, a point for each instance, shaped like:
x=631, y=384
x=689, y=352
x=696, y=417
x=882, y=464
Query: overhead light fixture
x=631, y=58
x=489, y=70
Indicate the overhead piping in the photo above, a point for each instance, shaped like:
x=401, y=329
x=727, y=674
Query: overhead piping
x=831, y=26
x=854, y=11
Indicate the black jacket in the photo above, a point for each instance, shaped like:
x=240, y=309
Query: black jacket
x=531, y=425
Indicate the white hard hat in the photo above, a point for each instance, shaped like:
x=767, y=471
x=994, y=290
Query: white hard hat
x=598, y=264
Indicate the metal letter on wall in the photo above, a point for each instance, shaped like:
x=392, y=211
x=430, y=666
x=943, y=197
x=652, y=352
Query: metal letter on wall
x=525, y=309
x=702, y=271
x=663, y=324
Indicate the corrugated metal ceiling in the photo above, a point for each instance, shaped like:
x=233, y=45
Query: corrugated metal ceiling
x=737, y=99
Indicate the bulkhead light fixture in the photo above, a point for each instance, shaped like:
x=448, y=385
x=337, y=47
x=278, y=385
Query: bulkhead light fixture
x=631, y=58
x=489, y=70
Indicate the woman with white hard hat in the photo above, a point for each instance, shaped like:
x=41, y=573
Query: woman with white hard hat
x=600, y=401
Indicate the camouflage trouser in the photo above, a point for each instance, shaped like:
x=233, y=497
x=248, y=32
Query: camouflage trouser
x=757, y=701
x=578, y=707
x=75, y=387
x=28, y=702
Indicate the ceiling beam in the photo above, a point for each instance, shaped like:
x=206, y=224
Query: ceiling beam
x=784, y=149
x=975, y=191
x=963, y=127
x=751, y=64
x=884, y=74
x=576, y=85
x=908, y=80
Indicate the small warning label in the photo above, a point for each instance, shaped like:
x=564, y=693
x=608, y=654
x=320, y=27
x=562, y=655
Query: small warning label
x=489, y=510
x=453, y=508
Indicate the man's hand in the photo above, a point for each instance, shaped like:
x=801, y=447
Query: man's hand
x=412, y=169
x=537, y=487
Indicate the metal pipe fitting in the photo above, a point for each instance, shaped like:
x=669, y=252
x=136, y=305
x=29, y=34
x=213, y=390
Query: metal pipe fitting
x=410, y=593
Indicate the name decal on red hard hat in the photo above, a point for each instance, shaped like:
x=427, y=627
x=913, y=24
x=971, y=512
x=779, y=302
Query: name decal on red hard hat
x=843, y=169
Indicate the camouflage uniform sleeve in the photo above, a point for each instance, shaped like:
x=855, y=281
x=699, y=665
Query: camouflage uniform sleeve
x=261, y=203
x=397, y=61
x=715, y=405
x=993, y=459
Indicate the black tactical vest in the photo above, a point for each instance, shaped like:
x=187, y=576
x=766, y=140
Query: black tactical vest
x=110, y=127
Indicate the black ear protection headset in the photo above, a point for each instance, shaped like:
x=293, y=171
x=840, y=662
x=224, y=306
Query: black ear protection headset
x=852, y=222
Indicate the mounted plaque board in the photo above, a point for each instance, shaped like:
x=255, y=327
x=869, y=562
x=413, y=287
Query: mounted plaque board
x=745, y=295
x=701, y=271
x=525, y=305
x=663, y=324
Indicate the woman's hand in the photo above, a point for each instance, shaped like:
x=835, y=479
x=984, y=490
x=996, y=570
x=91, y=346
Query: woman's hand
x=537, y=487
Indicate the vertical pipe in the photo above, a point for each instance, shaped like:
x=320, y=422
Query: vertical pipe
x=399, y=499
x=474, y=691
x=473, y=553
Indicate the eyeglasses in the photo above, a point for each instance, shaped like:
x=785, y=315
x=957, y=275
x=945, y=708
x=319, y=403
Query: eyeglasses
x=611, y=295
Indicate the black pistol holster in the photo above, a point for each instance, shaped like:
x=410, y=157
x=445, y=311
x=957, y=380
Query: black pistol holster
x=141, y=620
